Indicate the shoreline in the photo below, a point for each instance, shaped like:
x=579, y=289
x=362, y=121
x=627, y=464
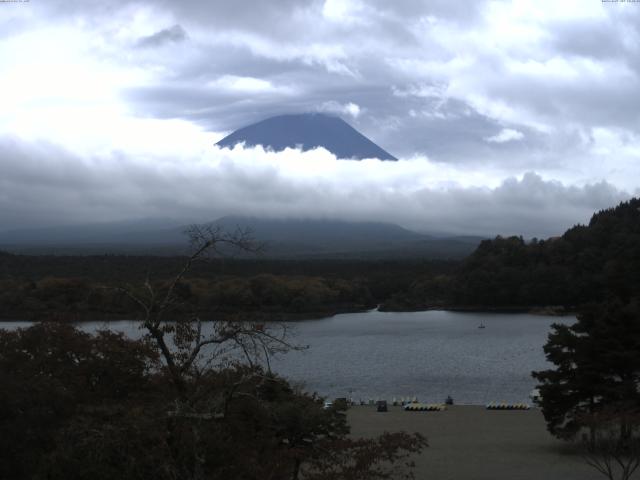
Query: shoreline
x=551, y=311
x=263, y=316
x=546, y=310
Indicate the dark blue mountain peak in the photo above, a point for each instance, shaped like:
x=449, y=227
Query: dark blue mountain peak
x=308, y=131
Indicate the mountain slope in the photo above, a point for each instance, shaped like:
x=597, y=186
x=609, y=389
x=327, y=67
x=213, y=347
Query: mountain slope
x=316, y=236
x=309, y=131
x=143, y=231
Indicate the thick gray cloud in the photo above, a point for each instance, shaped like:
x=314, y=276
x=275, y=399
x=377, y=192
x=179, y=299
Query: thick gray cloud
x=166, y=35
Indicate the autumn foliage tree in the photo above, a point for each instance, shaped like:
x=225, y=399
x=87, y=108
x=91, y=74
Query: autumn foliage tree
x=79, y=406
x=52, y=372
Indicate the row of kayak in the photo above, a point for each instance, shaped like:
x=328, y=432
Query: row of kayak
x=425, y=407
x=438, y=407
x=508, y=406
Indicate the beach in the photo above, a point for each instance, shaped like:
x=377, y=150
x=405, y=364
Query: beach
x=470, y=442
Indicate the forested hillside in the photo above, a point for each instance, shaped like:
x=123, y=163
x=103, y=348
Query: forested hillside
x=587, y=263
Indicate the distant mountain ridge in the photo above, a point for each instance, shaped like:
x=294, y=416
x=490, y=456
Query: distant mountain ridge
x=322, y=236
x=308, y=131
x=281, y=237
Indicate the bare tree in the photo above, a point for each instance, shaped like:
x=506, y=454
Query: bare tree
x=613, y=448
x=187, y=345
x=191, y=349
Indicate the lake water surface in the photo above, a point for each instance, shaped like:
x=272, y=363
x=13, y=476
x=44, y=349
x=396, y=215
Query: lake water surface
x=425, y=354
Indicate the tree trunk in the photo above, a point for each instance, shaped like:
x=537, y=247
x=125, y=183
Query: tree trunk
x=296, y=469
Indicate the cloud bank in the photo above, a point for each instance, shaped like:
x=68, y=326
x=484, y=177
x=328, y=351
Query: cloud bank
x=47, y=185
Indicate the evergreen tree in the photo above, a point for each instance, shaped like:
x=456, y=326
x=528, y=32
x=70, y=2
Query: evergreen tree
x=597, y=363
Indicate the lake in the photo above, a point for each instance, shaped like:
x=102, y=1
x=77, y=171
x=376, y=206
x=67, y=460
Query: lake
x=428, y=355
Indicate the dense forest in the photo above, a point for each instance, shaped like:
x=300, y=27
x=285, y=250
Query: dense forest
x=87, y=287
x=587, y=263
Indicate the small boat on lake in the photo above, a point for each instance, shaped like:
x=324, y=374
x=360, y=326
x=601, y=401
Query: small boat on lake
x=481, y=325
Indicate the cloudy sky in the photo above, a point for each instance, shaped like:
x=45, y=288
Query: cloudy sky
x=507, y=116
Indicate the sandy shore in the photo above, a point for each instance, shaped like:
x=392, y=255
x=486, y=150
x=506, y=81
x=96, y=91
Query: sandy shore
x=469, y=442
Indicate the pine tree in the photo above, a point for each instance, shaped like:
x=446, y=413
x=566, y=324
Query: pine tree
x=597, y=363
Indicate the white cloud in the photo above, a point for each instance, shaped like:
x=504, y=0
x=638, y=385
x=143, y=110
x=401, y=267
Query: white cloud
x=246, y=85
x=505, y=135
x=349, y=109
x=348, y=11
x=46, y=185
